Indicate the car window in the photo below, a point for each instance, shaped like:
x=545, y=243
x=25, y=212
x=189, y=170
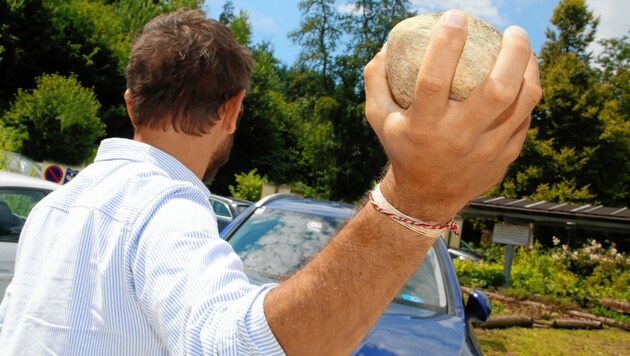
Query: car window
x=426, y=285
x=15, y=205
x=275, y=243
x=221, y=209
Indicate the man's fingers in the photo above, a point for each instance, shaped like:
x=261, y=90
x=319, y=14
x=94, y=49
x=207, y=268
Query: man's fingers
x=379, y=100
x=433, y=84
x=500, y=89
x=503, y=129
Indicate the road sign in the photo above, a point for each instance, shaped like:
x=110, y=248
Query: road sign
x=70, y=173
x=54, y=173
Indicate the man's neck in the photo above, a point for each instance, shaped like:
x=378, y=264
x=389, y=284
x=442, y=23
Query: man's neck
x=191, y=150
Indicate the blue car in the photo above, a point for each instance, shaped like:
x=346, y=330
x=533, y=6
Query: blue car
x=280, y=233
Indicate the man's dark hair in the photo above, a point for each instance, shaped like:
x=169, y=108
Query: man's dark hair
x=182, y=68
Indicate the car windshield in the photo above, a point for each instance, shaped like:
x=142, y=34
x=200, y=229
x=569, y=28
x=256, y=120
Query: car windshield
x=275, y=243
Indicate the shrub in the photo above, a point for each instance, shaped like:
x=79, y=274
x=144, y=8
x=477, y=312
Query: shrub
x=479, y=275
x=583, y=275
x=58, y=121
x=536, y=271
x=248, y=185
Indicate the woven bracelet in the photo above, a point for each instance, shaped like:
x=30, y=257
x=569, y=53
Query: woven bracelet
x=431, y=230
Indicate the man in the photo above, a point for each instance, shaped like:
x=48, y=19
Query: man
x=126, y=259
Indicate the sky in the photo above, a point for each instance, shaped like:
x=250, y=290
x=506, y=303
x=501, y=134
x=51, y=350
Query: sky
x=273, y=19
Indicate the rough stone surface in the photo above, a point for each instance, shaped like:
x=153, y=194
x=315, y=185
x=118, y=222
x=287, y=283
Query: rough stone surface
x=407, y=44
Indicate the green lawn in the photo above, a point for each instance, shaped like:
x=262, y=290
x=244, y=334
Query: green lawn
x=525, y=341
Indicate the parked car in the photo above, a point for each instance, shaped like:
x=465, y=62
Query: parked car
x=226, y=209
x=278, y=234
x=466, y=252
x=18, y=194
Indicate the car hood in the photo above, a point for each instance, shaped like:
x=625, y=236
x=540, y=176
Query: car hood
x=410, y=330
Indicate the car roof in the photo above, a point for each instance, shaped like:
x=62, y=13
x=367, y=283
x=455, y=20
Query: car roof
x=313, y=206
x=9, y=179
x=231, y=200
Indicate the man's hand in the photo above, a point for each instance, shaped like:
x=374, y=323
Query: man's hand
x=444, y=153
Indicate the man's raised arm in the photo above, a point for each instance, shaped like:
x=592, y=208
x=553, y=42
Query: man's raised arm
x=443, y=153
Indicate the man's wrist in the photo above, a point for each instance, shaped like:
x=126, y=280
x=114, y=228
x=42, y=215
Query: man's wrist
x=419, y=201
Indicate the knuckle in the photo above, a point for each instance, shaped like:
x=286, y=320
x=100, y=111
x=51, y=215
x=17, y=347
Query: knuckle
x=502, y=91
x=534, y=93
x=486, y=153
x=459, y=147
x=431, y=85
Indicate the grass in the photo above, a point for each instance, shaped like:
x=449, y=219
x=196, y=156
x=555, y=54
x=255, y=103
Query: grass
x=524, y=341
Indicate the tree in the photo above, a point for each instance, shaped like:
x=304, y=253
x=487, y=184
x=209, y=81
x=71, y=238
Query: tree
x=368, y=26
x=612, y=159
x=318, y=35
x=87, y=38
x=227, y=15
x=578, y=149
x=58, y=120
x=248, y=185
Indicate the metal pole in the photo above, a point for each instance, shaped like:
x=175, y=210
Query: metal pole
x=507, y=267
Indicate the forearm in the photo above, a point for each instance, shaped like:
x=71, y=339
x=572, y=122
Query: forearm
x=330, y=305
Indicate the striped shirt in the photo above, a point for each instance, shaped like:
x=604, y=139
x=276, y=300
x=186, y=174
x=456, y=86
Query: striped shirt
x=126, y=260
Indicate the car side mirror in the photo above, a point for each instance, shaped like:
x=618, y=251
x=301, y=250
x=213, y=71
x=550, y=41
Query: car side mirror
x=478, y=306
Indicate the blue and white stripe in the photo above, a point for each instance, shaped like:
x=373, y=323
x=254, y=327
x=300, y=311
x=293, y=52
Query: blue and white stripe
x=126, y=260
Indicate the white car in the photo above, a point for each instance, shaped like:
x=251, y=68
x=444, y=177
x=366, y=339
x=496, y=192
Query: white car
x=18, y=194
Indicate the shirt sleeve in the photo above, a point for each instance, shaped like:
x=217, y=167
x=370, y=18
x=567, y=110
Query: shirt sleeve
x=190, y=284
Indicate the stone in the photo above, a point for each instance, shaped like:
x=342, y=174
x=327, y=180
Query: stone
x=407, y=44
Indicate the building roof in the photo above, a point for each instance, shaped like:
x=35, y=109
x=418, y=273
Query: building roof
x=584, y=216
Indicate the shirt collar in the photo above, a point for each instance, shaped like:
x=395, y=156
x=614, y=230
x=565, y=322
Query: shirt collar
x=125, y=149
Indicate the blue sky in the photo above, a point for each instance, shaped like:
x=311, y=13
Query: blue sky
x=273, y=19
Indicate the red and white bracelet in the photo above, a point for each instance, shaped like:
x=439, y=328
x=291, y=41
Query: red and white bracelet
x=431, y=230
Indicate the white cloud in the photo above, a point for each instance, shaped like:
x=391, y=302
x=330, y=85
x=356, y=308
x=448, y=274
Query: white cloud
x=485, y=9
x=613, y=17
x=263, y=23
x=613, y=21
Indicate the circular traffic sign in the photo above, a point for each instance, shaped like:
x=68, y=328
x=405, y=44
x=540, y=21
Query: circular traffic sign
x=54, y=173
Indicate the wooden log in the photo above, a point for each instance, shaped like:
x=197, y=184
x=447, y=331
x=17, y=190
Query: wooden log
x=605, y=321
x=576, y=324
x=618, y=305
x=507, y=321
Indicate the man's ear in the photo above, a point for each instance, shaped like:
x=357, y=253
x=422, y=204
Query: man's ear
x=129, y=105
x=230, y=111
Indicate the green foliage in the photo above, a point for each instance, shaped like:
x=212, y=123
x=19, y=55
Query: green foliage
x=59, y=118
x=248, y=185
x=537, y=272
x=564, y=275
x=609, y=313
x=604, y=270
x=581, y=128
x=482, y=275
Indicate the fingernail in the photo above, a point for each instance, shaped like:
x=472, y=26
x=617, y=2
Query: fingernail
x=517, y=31
x=454, y=18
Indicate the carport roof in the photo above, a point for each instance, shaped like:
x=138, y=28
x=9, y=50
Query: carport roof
x=585, y=216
